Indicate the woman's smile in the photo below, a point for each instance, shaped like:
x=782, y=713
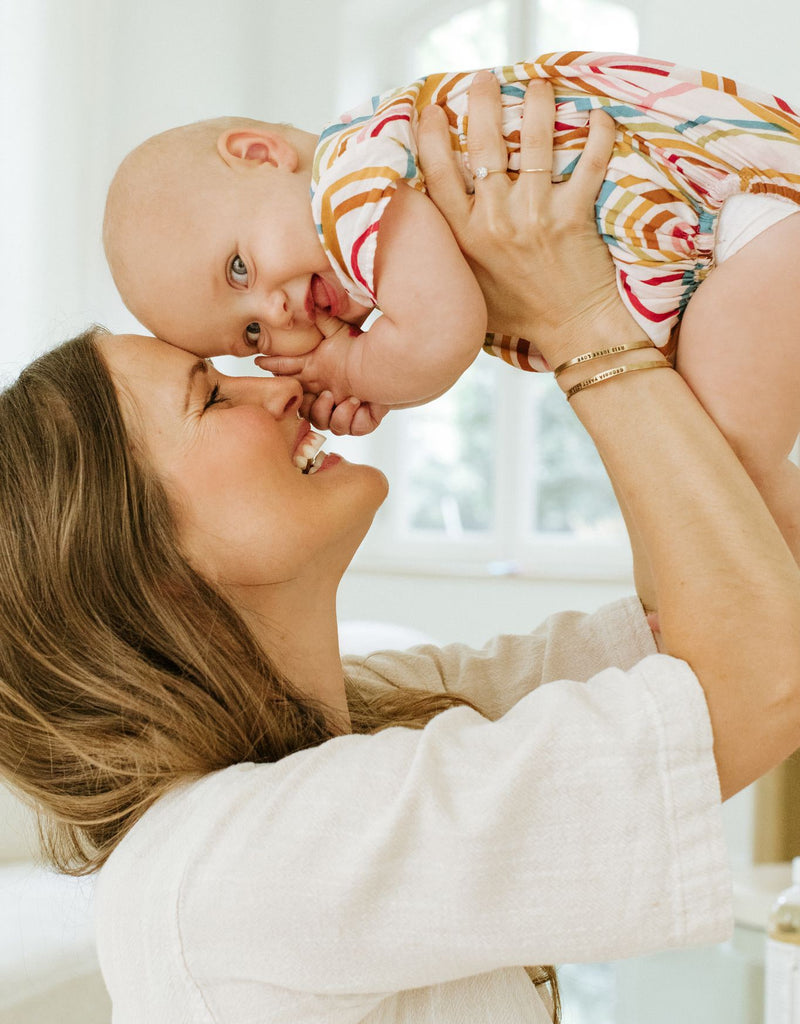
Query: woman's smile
x=307, y=448
x=220, y=446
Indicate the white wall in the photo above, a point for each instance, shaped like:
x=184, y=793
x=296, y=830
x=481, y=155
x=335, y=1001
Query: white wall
x=82, y=82
x=471, y=609
x=755, y=42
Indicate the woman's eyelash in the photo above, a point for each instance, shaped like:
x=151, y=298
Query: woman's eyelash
x=214, y=398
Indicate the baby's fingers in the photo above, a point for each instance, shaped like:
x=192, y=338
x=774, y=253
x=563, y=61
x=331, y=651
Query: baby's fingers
x=329, y=325
x=318, y=409
x=366, y=418
x=588, y=176
x=343, y=416
x=281, y=366
x=355, y=417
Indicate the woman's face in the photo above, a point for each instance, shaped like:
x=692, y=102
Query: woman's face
x=223, y=448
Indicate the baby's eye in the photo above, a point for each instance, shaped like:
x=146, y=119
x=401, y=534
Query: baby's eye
x=252, y=333
x=238, y=270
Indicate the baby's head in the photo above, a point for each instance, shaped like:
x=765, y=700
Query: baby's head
x=210, y=239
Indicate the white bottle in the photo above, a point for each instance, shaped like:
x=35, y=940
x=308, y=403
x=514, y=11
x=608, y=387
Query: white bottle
x=782, y=974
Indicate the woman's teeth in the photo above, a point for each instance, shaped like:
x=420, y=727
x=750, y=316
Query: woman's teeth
x=315, y=465
x=306, y=458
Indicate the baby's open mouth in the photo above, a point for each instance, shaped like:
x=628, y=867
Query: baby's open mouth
x=321, y=297
x=308, y=457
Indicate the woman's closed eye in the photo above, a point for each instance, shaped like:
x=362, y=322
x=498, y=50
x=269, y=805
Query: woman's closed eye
x=237, y=271
x=215, y=398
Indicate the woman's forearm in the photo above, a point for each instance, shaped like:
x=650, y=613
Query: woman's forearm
x=728, y=589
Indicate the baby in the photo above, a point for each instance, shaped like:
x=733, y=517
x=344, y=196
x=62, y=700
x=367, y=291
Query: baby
x=216, y=246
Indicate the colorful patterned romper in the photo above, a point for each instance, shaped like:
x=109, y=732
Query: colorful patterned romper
x=686, y=141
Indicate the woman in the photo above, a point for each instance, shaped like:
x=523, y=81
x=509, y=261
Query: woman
x=172, y=695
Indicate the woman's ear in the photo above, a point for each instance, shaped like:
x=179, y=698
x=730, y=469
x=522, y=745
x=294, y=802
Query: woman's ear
x=253, y=147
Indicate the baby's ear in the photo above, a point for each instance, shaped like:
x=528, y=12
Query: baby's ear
x=254, y=147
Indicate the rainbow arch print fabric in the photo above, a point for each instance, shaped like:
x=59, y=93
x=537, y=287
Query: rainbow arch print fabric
x=686, y=141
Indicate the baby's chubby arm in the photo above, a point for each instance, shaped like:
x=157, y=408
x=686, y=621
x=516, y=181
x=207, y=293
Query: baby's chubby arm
x=433, y=322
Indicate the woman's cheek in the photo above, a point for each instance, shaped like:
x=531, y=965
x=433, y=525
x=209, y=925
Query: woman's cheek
x=245, y=429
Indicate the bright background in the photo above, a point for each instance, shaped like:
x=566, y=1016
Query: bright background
x=529, y=524
x=480, y=535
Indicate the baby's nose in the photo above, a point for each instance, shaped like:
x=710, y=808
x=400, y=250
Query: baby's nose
x=278, y=311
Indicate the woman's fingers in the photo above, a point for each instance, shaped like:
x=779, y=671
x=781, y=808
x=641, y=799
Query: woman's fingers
x=443, y=179
x=486, y=147
x=590, y=172
x=536, y=136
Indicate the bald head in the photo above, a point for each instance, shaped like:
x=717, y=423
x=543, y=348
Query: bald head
x=158, y=189
x=197, y=216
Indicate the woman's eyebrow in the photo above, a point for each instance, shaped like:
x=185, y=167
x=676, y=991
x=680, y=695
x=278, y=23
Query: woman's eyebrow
x=201, y=366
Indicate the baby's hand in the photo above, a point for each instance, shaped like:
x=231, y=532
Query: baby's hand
x=348, y=417
x=328, y=401
x=324, y=368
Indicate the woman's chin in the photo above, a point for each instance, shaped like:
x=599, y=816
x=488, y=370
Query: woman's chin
x=383, y=483
x=377, y=479
x=378, y=492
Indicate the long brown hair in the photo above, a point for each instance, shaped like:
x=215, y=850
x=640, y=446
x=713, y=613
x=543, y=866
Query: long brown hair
x=122, y=671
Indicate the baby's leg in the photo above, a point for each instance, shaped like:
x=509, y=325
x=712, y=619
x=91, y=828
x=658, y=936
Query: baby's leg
x=739, y=351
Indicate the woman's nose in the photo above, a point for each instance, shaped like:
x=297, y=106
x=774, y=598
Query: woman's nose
x=281, y=395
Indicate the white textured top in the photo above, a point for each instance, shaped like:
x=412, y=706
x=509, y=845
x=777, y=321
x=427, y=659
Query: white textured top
x=404, y=877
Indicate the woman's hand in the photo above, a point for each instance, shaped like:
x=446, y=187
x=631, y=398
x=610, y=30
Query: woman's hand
x=533, y=245
x=727, y=587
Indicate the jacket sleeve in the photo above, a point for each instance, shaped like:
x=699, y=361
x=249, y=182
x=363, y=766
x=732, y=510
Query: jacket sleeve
x=569, y=645
x=584, y=824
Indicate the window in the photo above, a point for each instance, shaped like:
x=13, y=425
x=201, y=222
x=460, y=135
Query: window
x=586, y=25
x=497, y=473
x=474, y=37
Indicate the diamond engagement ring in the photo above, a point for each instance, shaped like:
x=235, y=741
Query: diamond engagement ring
x=484, y=172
